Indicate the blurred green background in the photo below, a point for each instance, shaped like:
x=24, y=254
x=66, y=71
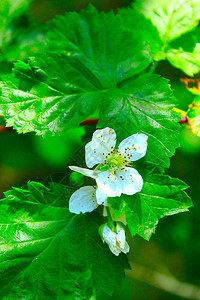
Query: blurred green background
x=166, y=267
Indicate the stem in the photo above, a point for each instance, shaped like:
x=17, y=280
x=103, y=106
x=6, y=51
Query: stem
x=182, y=112
x=164, y=282
x=110, y=220
x=153, y=67
x=89, y=122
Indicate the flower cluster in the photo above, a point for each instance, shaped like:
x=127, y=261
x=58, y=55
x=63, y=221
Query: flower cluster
x=113, y=175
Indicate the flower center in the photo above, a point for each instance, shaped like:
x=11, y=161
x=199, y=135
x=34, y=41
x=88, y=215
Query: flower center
x=115, y=161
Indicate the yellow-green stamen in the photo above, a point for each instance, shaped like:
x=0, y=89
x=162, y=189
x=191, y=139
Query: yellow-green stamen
x=115, y=161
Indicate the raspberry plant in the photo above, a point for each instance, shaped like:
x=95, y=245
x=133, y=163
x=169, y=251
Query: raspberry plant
x=84, y=65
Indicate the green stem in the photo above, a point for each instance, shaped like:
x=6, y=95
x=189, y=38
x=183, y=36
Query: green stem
x=110, y=220
x=182, y=112
x=153, y=67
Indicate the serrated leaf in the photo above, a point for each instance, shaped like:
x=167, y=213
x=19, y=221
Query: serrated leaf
x=161, y=196
x=186, y=41
x=49, y=253
x=138, y=105
x=56, y=91
x=182, y=53
x=143, y=30
x=188, y=62
x=143, y=105
x=101, y=43
x=171, y=17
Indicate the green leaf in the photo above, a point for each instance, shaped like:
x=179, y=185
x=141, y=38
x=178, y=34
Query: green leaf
x=56, y=91
x=143, y=30
x=183, y=52
x=171, y=17
x=143, y=105
x=161, y=196
x=49, y=253
x=140, y=104
x=101, y=43
x=189, y=62
x=186, y=41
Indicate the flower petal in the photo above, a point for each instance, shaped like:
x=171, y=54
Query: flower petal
x=116, y=241
x=109, y=236
x=83, y=200
x=86, y=172
x=108, y=183
x=121, y=238
x=103, y=142
x=131, y=180
x=115, y=250
x=134, y=147
x=101, y=197
x=126, y=248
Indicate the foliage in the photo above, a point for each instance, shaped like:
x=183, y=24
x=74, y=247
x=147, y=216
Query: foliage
x=19, y=35
x=39, y=233
x=83, y=65
x=172, y=33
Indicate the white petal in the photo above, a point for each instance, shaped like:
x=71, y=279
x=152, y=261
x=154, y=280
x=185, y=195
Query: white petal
x=83, y=200
x=121, y=238
x=108, y=183
x=134, y=147
x=86, y=172
x=131, y=180
x=115, y=250
x=116, y=242
x=126, y=248
x=109, y=236
x=101, y=197
x=103, y=142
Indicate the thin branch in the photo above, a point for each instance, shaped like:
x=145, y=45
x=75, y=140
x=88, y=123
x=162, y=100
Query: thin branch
x=164, y=282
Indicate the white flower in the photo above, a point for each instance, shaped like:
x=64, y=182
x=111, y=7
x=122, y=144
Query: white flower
x=86, y=199
x=116, y=241
x=113, y=174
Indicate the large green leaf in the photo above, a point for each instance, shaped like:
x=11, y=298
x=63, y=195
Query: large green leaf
x=171, y=17
x=56, y=91
x=101, y=43
x=161, y=196
x=92, y=69
x=49, y=253
x=143, y=104
x=54, y=94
